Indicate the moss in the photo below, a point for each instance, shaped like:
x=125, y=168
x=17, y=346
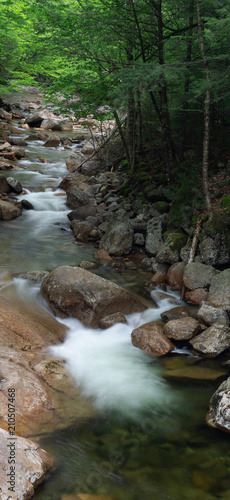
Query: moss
x=175, y=240
x=225, y=201
x=161, y=207
x=220, y=223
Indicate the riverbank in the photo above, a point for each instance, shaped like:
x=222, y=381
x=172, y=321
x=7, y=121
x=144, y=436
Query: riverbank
x=51, y=374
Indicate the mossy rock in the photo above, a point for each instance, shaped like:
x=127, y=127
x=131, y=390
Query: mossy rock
x=161, y=206
x=225, y=201
x=175, y=240
x=220, y=223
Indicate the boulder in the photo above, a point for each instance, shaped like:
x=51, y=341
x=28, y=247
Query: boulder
x=182, y=328
x=210, y=315
x=4, y=115
x=74, y=160
x=72, y=291
x=174, y=276
x=119, y=239
x=74, y=179
x=198, y=275
x=17, y=141
x=56, y=123
x=5, y=165
x=27, y=471
x=111, y=320
x=219, y=293
x=175, y=313
x=77, y=198
x=18, y=152
x=213, y=341
x=36, y=119
x=14, y=184
x=219, y=409
x=4, y=146
x=52, y=142
x=84, y=231
x=9, y=211
x=151, y=339
x=170, y=250
x=91, y=167
x=88, y=148
x=158, y=278
x=195, y=297
x=154, y=238
x=81, y=213
x=215, y=251
x=4, y=186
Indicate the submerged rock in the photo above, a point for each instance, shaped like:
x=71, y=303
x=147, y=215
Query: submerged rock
x=72, y=291
x=151, y=339
x=219, y=410
x=31, y=466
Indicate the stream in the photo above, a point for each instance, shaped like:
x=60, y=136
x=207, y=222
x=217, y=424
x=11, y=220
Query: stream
x=148, y=439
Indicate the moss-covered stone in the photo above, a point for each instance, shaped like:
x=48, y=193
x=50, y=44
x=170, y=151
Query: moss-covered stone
x=161, y=206
x=220, y=223
x=225, y=201
x=175, y=240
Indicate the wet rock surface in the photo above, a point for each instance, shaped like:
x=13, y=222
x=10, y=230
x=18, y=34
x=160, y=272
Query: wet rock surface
x=32, y=463
x=213, y=341
x=151, y=339
x=72, y=291
x=219, y=411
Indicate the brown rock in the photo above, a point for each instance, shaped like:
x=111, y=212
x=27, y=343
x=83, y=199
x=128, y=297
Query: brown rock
x=213, y=341
x=9, y=211
x=72, y=291
x=4, y=186
x=174, y=276
x=182, y=328
x=52, y=142
x=32, y=464
x=111, y=320
x=84, y=231
x=103, y=255
x=151, y=339
x=197, y=296
x=157, y=279
x=175, y=313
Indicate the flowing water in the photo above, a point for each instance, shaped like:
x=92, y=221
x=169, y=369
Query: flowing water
x=148, y=438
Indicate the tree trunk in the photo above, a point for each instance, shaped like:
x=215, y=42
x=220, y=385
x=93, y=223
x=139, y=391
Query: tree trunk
x=186, y=86
x=207, y=100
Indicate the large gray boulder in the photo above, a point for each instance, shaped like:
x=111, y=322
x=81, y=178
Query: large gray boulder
x=210, y=315
x=213, y=341
x=197, y=275
x=36, y=119
x=219, y=293
x=77, y=198
x=74, y=160
x=72, y=291
x=219, y=410
x=215, y=251
x=154, y=238
x=26, y=469
x=119, y=239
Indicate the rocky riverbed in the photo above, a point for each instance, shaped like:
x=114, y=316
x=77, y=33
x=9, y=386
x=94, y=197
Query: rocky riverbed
x=126, y=237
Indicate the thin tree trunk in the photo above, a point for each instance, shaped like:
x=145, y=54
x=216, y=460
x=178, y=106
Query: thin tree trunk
x=207, y=100
x=192, y=250
x=122, y=136
x=186, y=86
x=140, y=123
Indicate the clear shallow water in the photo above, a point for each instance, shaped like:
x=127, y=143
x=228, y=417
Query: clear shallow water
x=149, y=439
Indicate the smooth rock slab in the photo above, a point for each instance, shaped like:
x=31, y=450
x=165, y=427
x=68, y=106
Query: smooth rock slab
x=212, y=341
x=30, y=469
x=219, y=410
x=151, y=339
x=182, y=328
x=72, y=291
